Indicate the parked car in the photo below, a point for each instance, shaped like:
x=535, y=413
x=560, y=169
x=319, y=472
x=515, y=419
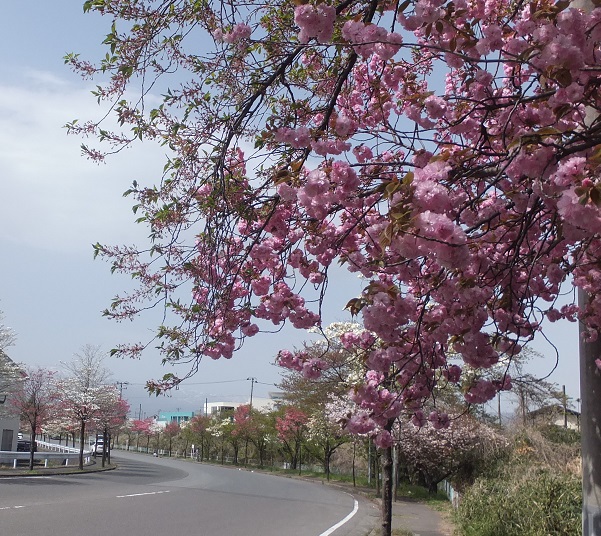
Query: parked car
x=24, y=445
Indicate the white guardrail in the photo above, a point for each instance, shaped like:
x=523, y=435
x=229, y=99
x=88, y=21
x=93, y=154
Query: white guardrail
x=52, y=452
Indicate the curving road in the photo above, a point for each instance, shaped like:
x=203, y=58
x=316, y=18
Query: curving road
x=148, y=496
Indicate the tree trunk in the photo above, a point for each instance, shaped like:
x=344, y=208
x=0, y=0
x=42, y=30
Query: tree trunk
x=386, y=491
x=32, y=446
x=395, y=473
x=354, y=456
x=105, y=446
x=82, y=433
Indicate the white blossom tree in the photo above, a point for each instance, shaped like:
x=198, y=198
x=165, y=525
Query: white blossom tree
x=85, y=389
x=326, y=432
x=7, y=334
x=434, y=453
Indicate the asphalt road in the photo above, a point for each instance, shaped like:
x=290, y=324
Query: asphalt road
x=148, y=496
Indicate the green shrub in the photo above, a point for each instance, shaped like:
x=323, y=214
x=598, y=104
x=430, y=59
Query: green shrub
x=561, y=435
x=522, y=503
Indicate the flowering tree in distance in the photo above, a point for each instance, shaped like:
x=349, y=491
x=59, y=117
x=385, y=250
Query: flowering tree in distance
x=198, y=426
x=111, y=415
x=433, y=455
x=36, y=400
x=291, y=428
x=445, y=150
x=142, y=427
x=7, y=334
x=84, y=391
x=171, y=430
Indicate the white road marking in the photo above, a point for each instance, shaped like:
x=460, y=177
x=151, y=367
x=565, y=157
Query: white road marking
x=11, y=507
x=342, y=522
x=142, y=494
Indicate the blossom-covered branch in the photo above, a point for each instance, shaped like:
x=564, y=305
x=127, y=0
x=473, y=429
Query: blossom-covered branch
x=443, y=150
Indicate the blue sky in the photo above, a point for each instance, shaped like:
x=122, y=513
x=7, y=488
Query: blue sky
x=56, y=204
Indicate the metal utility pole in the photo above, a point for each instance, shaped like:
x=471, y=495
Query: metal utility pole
x=250, y=408
x=564, y=401
x=121, y=388
x=590, y=393
x=590, y=431
x=252, y=384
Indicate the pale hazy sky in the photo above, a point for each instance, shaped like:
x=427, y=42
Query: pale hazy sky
x=55, y=204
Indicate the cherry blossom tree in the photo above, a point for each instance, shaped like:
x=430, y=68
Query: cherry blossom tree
x=292, y=430
x=199, y=425
x=171, y=430
x=110, y=416
x=142, y=427
x=446, y=151
x=243, y=426
x=36, y=400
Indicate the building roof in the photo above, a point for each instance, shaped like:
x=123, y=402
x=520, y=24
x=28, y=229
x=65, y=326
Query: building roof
x=553, y=409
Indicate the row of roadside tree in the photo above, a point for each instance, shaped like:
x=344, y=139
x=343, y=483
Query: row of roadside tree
x=77, y=402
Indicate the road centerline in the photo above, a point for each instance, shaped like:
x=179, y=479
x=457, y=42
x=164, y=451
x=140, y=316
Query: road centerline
x=142, y=494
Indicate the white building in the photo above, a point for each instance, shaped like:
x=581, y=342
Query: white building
x=10, y=380
x=259, y=404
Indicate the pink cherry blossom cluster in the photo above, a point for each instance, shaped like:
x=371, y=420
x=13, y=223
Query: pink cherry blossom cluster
x=315, y=21
x=372, y=39
x=239, y=32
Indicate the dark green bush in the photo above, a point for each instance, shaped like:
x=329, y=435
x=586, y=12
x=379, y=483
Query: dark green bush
x=522, y=502
x=561, y=435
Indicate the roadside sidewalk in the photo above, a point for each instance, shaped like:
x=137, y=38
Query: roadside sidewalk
x=408, y=516
x=416, y=518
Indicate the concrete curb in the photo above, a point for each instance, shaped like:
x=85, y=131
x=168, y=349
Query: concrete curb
x=52, y=471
